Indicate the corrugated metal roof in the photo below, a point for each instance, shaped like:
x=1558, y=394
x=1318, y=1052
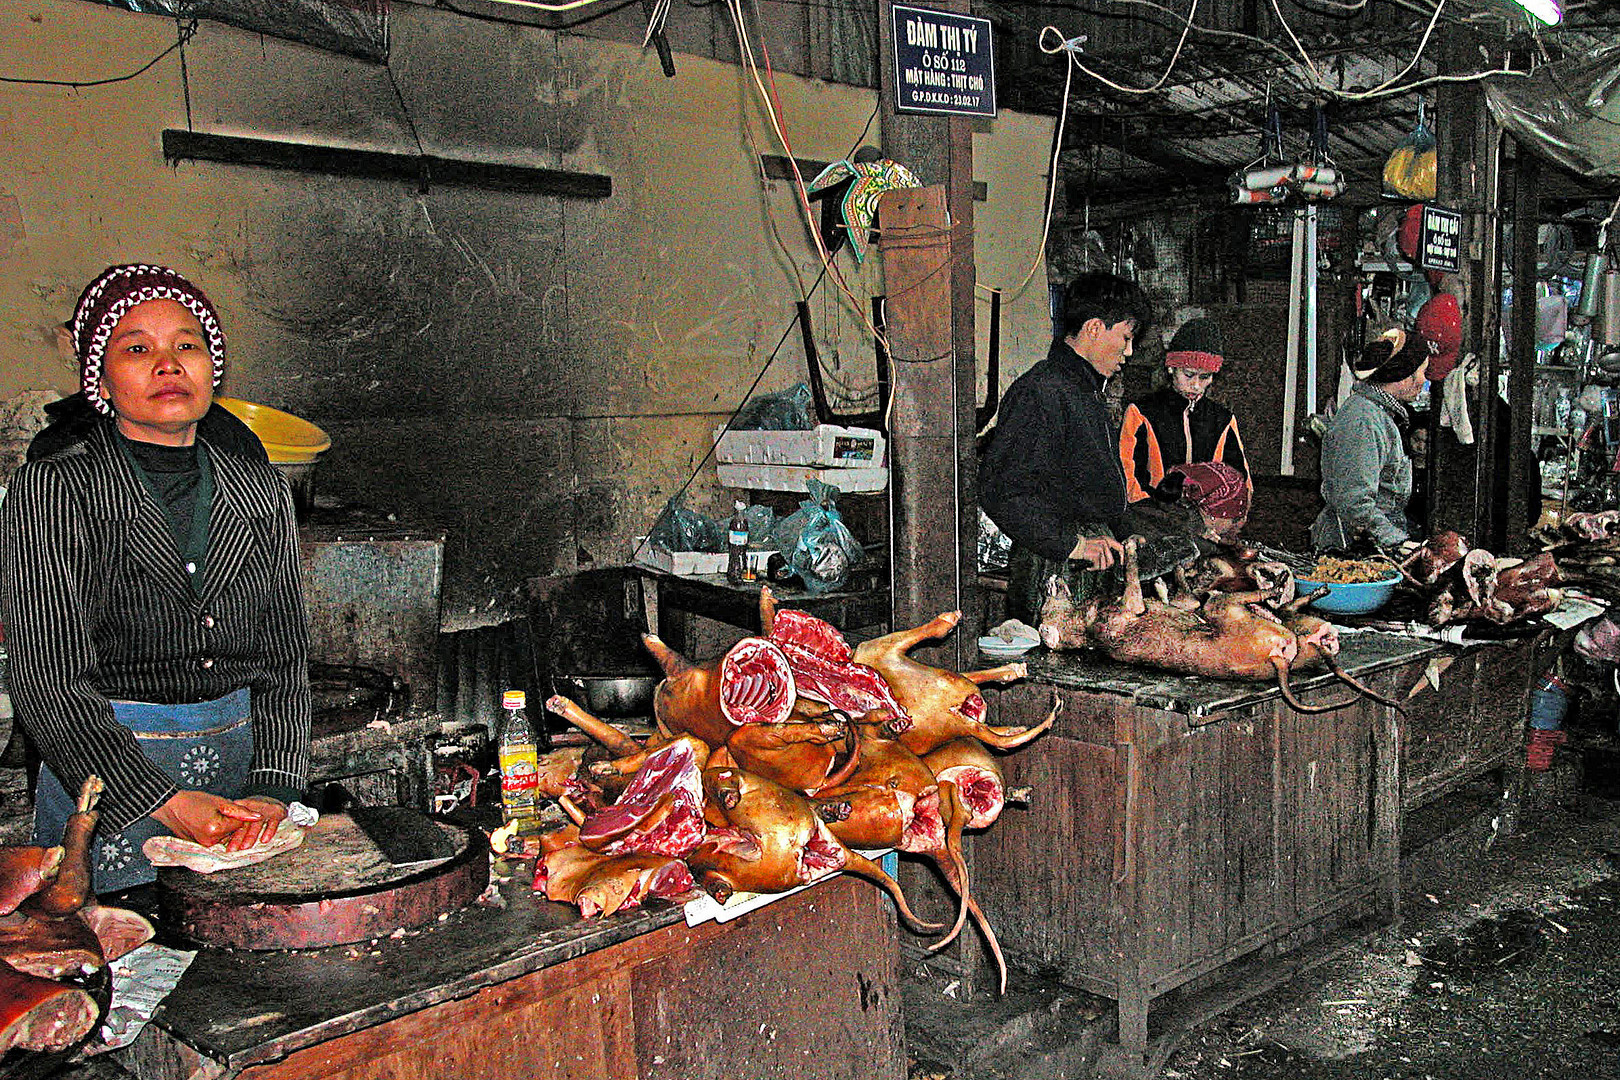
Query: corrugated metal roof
x=1207, y=120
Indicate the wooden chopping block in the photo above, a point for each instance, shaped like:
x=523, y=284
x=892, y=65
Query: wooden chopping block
x=337, y=888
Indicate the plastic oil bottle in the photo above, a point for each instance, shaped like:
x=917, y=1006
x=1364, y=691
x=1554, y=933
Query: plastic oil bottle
x=520, y=762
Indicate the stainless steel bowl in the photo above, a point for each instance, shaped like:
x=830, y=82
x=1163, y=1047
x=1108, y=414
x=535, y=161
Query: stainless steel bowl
x=609, y=695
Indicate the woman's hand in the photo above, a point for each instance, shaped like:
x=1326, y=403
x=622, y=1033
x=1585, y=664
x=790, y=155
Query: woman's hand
x=272, y=812
x=205, y=819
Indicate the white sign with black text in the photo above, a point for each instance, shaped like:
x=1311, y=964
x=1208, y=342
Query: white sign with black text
x=943, y=63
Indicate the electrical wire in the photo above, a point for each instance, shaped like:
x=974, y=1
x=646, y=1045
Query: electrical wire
x=655, y=21
x=704, y=460
x=185, y=73
x=1423, y=43
x=1603, y=228
x=1388, y=88
x=186, y=34
x=1067, y=45
x=1070, y=46
x=539, y=5
x=602, y=11
x=773, y=110
x=826, y=269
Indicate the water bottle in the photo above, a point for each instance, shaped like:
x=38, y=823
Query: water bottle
x=519, y=759
x=737, y=545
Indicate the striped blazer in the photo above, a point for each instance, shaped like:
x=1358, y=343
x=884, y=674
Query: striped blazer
x=97, y=607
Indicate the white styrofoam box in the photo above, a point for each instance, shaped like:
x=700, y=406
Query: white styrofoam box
x=693, y=563
x=825, y=445
x=797, y=477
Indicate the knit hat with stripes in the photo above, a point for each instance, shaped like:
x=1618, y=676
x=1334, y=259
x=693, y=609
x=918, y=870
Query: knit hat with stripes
x=112, y=294
x=1197, y=345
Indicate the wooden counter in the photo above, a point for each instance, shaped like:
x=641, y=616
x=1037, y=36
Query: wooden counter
x=803, y=987
x=670, y=598
x=1474, y=721
x=1178, y=825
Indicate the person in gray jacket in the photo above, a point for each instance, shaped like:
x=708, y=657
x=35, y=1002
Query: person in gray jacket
x=1366, y=455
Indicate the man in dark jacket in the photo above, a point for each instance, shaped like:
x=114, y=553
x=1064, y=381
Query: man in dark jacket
x=1052, y=479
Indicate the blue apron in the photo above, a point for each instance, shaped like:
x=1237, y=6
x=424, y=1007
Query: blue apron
x=203, y=747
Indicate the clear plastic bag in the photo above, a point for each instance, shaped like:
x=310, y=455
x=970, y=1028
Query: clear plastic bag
x=995, y=550
x=761, y=520
x=681, y=529
x=1409, y=171
x=816, y=543
x=784, y=410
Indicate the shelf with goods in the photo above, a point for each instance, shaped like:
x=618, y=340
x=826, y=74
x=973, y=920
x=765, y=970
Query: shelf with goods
x=1575, y=426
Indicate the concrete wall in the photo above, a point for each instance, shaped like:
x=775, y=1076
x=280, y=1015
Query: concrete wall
x=534, y=375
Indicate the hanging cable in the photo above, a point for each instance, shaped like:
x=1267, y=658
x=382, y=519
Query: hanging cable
x=424, y=171
x=758, y=377
x=538, y=5
x=185, y=71
x=1067, y=45
x=773, y=110
x=1064, y=47
x=189, y=32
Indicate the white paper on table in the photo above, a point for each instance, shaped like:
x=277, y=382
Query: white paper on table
x=706, y=907
x=1573, y=611
x=140, y=981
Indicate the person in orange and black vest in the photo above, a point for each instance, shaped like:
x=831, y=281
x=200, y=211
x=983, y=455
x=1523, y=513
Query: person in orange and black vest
x=1178, y=423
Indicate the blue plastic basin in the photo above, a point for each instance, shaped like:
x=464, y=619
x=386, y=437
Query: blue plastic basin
x=1358, y=598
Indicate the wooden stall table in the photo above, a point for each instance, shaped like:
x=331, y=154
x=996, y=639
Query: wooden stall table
x=804, y=986
x=1179, y=826
x=669, y=598
x=1473, y=722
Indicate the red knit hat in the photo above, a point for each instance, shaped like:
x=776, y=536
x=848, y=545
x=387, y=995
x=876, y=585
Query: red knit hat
x=1410, y=233
x=1197, y=345
x=111, y=295
x=1215, y=488
x=1439, y=322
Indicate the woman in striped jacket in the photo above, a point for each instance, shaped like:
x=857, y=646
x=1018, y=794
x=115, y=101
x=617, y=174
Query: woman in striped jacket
x=149, y=591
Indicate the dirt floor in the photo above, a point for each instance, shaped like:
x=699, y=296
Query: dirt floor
x=1505, y=965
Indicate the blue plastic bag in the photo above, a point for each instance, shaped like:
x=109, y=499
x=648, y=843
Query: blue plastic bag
x=818, y=546
x=681, y=529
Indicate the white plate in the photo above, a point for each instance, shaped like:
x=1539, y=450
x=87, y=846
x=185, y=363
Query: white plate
x=1000, y=647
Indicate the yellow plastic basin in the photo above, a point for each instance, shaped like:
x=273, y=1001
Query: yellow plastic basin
x=287, y=439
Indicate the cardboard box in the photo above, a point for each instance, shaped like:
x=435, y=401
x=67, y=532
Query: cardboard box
x=693, y=563
x=827, y=445
x=797, y=477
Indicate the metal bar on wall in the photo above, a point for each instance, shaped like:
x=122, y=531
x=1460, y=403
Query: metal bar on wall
x=381, y=165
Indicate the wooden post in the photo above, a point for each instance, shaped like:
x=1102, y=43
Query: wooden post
x=1508, y=528
x=1467, y=180
x=933, y=469
x=926, y=238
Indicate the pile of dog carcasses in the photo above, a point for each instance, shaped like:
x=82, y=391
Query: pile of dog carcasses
x=777, y=764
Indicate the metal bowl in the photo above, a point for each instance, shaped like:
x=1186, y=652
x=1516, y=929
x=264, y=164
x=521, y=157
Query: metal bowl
x=609, y=695
x=1355, y=598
